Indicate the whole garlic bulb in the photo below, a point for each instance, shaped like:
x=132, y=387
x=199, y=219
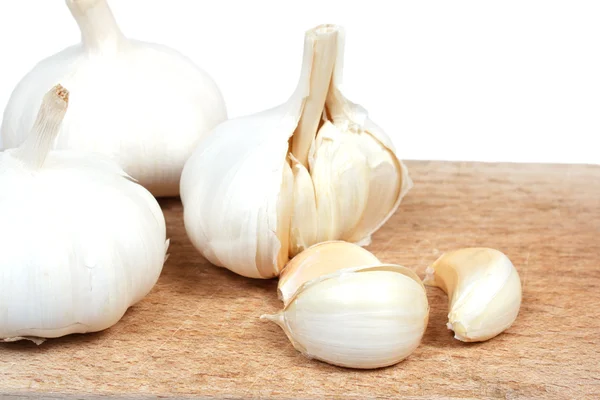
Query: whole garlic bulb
x=81, y=242
x=483, y=288
x=364, y=317
x=142, y=104
x=262, y=188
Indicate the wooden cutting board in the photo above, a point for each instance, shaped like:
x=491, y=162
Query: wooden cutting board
x=198, y=333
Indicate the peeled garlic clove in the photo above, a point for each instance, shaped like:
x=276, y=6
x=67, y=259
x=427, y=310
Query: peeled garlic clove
x=483, y=288
x=321, y=259
x=142, y=104
x=81, y=242
x=263, y=188
x=359, y=317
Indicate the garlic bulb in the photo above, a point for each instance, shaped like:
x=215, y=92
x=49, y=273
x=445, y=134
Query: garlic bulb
x=142, y=104
x=262, y=188
x=484, y=290
x=366, y=316
x=80, y=241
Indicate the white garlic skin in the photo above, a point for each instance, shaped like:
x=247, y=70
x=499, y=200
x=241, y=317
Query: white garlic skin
x=81, y=243
x=484, y=291
x=237, y=187
x=366, y=317
x=142, y=104
x=249, y=205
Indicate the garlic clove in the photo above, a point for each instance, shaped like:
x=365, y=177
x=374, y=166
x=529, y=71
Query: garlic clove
x=231, y=190
x=142, y=104
x=483, y=288
x=341, y=180
x=388, y=183
x=304, y=218
x=321, y=259
x=81, y=241
x=318, y=156
x=361, y=317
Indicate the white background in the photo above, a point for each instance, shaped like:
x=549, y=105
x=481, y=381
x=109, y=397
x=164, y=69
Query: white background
x=460, y=80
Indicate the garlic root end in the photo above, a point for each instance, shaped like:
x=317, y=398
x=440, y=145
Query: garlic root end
x=37, y=340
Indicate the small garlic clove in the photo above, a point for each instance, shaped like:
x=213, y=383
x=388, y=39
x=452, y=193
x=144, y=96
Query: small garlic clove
x=304, y=221
x=361, y=317
x=321, y=259
x=483, y=288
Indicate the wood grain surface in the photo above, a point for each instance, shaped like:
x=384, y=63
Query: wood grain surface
x=198, y=333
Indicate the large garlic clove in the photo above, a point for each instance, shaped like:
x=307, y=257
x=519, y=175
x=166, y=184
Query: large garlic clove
x=142, y=104
x=483, y=288
x=360, y=317
x=341, y=179
x=343, y=306
x=232, y=189
x=318, y=157
x=81, y=242
x=321, y=259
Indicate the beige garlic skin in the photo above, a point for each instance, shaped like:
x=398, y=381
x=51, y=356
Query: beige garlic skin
x=262, y=188
x=364, y=317
x=483, y=288
x=321, y=259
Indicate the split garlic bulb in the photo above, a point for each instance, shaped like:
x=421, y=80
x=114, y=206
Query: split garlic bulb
x=81, y=242
x=367, y=316
x=142, y=104
x=262, y=188
x=484, y=290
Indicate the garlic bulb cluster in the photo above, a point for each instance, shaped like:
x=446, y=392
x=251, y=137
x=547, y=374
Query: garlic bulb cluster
x=354, y=316
x=484, y=290
x=144, y=105
x=81, y=242
x=262, y=188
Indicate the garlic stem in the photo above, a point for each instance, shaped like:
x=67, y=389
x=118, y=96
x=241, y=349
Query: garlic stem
x=99, y=29
x=324, y=52
x=36, y=146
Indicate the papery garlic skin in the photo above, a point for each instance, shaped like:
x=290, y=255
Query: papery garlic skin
x=360, y=317
x=142, y=104
x=262, y=188
x=80, y=241
x=484, y=291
